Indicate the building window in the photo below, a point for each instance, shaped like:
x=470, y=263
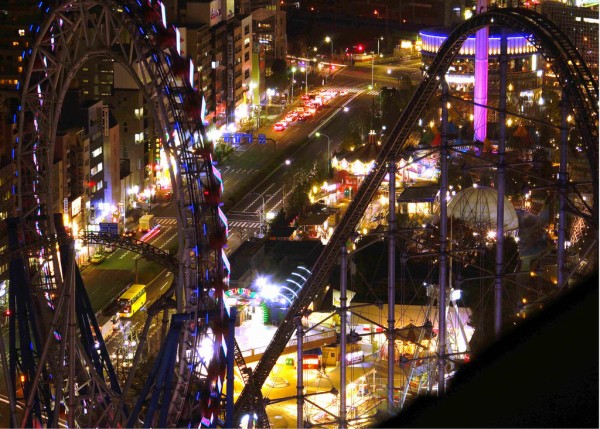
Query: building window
x=97, y=169
x=97, y=152
x=247, y=74
x=125, y=129
x=247, y=56
x=246, y=30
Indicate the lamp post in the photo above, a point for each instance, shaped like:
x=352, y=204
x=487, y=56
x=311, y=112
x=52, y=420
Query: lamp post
x=372, y=68
x=305, y=70
x=328, y=143
x=293, y=74
x=373, y=62
x=330, y=40
x=262, y=217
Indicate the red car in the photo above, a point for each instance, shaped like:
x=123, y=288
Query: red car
x=279, y=126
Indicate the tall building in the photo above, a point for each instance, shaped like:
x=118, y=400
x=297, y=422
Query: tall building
x=136, y=126
x=15, y=20
x=219, y=42
x=101, y=161
x=7, y=170
x=249, y=6
x=581, y=24
x=95, y=78
x=270, y=32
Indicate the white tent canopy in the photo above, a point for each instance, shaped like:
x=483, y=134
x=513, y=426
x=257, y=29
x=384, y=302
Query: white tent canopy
x=479, y=207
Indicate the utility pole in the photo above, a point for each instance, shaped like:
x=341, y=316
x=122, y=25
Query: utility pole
x=293, y=74
x=327, y=158
x=299, y=374
x=372, y=68
x=330, y=40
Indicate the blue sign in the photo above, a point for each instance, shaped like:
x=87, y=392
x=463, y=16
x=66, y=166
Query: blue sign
x=227, y=137
x=262, y=139
x=243, y=138
x=109, y=227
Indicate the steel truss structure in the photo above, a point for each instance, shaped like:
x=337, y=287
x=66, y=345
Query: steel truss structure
x=580, y=97
x=51, y=360
x=51, y=323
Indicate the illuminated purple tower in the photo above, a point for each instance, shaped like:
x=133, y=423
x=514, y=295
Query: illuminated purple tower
x=481, y=78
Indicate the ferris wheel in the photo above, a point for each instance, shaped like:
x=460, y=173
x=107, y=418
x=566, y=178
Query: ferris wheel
x=63, y=378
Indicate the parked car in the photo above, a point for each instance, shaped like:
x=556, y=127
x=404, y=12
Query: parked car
x=97, y=258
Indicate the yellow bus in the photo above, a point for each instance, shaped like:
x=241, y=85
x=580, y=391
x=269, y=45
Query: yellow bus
x=131, y=300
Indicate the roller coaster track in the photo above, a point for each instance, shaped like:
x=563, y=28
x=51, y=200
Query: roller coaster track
x=575, y=79
x=149, y=251
x=134, y=35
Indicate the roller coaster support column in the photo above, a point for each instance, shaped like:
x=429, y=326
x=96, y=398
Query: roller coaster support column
x=500, y=186
x=21, y=328
x=160, y=381
x=391, y=283
x=563, y=183
x=10, y=392
x=299, y=374
x=61, y=322
x=443, y=269
x=343, y=332
x=72, y=325
x=481, y=77
x=230, y=368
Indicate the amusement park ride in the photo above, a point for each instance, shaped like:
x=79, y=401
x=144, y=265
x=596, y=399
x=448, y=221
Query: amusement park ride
x=54, y=371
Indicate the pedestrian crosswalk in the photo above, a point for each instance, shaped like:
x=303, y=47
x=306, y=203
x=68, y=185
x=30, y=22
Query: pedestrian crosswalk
x=241, y=171
x=171, y=221
x=166, y=221
x=243, y=224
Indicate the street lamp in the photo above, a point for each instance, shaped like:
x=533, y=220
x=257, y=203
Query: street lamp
x=330, y=40
x=262, y=214
x=373, y=61
x=293, y=74
x=328, y=143
x=372, y=68
x=305, y=70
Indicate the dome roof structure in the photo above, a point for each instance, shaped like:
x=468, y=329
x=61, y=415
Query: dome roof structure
x=478, y=206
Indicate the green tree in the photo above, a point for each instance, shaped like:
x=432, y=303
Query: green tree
x=280, y=78
x=360, y=125
x=223, y=152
